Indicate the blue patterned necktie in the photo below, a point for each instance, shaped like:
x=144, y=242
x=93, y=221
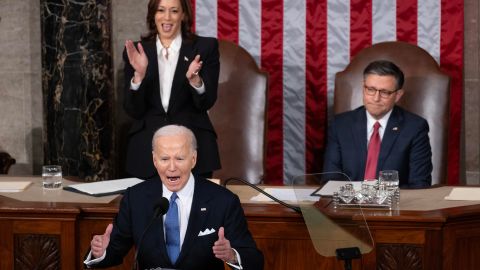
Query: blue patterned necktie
x=172, y=230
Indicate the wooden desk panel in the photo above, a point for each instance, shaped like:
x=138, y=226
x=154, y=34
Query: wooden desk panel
x=437, y=239
x=282, y=236
x=33, y=238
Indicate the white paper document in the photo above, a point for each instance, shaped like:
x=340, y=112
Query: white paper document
x=103, y=188
x=464, y=194
x=334, y=186
x=13, y=186
x=287, y=194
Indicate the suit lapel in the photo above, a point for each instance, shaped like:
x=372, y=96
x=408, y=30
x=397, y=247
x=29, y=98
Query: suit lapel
x=392, y=131
x=359, y=134
x=150, y=49
x=197, y=219
x=185, y=57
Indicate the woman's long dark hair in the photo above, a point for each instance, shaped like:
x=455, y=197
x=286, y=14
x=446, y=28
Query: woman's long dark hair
x=186, y=27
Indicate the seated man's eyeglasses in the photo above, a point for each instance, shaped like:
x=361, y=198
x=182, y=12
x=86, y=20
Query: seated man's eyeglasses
x=371, y=91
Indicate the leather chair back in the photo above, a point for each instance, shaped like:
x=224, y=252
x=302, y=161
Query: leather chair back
x=427, y=91
x=239, y=114
x=6, y=161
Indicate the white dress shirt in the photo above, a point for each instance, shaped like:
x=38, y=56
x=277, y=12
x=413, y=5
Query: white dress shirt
x=167, y=63
x=383, y=124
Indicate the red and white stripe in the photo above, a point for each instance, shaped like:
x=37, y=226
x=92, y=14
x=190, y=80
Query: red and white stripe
x=302, y=44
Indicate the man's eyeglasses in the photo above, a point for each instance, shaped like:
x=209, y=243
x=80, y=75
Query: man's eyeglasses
x=371, y=91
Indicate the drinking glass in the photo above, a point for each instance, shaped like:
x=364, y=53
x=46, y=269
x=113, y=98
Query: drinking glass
x=381, y=194
x=347, y=193
x=391, y=181
x=52, y=176
x=367, y=192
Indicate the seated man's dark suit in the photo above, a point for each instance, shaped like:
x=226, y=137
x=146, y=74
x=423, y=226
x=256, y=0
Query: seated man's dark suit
x=212, y=207
x=405, y=147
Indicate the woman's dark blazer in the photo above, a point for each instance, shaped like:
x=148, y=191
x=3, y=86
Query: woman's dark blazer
x=186, y=106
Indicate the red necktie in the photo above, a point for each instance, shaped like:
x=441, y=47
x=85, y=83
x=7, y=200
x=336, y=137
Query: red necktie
x=373, y=151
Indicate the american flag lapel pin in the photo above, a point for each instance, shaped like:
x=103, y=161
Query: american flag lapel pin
x=185, y=58
x=203, y=209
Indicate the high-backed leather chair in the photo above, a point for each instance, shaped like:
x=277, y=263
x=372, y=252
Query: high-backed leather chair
x=239, y=114
x=5, y=162
x=427, y=91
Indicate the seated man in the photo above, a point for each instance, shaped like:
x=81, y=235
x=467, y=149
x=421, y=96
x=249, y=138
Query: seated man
x=204, y=227
x=380, y=135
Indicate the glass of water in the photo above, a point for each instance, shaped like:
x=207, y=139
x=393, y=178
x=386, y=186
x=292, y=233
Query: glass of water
x=52, y=176
x=347, y=193
x=391, y=181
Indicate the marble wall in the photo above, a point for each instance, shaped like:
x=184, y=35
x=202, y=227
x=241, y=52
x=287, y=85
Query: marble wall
x=21, y=95
x=77, y=83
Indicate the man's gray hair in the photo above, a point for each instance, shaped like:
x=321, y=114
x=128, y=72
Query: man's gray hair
x=175, y=130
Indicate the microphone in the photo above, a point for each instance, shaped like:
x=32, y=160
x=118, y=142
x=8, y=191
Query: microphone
x=160, y=207
x=294, y=208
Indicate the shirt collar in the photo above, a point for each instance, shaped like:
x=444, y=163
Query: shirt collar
x=174, y=47
x=383, y=121
x=185, y=192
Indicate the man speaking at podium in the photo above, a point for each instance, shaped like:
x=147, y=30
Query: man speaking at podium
x=204, y=227
x=380, y=135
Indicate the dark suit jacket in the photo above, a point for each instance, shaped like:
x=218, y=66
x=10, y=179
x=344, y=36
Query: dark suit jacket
x=405, y=147
x=212, y=207
x=186, y=106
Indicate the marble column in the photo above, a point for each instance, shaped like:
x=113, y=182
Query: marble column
x=77, y=87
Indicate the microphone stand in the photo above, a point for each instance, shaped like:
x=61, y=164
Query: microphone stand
x=294, y=208
x=135, y=262
x=347, y=254
x=160, y=208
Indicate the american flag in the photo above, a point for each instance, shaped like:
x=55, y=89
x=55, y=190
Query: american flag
x=303, y=43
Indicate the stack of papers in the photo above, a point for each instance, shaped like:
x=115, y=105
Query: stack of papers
x=464, y=194
x=104, y=188
x=14, y=186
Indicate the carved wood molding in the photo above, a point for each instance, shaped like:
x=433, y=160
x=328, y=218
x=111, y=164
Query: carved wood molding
x=398, y=257
x=35, y=251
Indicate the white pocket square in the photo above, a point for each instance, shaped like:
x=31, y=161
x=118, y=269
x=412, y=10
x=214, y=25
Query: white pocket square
x=206, y=232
